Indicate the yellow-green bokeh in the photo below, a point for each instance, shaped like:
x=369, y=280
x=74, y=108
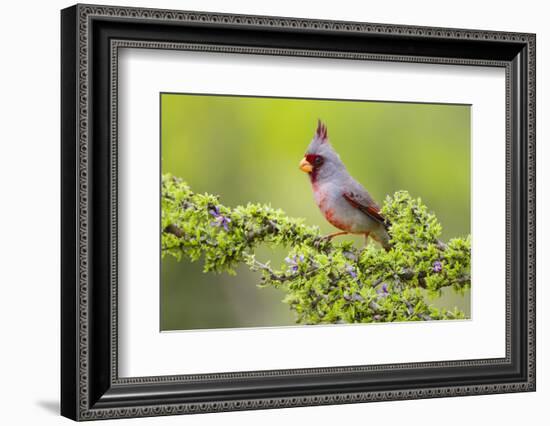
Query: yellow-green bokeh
x=247, y=149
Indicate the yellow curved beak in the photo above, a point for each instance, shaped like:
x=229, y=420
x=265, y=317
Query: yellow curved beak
x=305, y=166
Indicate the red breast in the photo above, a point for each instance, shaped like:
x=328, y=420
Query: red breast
x=328, y=212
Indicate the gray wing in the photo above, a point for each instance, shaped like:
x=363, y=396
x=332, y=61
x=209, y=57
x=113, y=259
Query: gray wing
x=359, y=198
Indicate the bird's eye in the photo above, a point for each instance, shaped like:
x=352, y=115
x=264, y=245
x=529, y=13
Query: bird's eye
x=318, y=161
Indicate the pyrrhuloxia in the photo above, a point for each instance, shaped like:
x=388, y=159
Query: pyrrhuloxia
x=344, y=202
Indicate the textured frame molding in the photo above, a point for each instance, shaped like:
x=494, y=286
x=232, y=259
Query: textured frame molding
x=84, y=397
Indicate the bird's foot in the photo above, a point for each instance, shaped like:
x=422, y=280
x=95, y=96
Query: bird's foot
x=334, y=234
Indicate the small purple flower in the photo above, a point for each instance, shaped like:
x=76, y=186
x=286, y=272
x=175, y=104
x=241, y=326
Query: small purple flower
x=223, y=221
x=294, y=261
x=383, y=291
x=351, y=270
x=437, y=266
x=350, y=255
x=220, y=220
x=214, y=211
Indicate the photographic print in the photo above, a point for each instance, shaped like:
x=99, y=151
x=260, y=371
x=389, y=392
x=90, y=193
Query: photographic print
x=290, y=211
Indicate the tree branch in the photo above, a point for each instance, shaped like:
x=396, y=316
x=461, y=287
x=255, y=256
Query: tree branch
x=324, y=281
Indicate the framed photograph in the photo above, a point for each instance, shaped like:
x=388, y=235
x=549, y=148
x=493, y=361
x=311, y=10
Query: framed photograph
x=263, y=212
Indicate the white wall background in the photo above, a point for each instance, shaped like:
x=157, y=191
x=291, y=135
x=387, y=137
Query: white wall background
x=29, y=213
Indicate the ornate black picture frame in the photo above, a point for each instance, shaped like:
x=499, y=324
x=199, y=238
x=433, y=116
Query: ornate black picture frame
x=90, y=38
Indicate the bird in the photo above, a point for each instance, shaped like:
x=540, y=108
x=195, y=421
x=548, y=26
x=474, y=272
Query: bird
x=343, y=201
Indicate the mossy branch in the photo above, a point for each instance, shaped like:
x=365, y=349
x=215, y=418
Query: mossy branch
x=325, y=281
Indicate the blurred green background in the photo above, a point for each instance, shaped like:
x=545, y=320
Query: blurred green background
x=247, y=149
